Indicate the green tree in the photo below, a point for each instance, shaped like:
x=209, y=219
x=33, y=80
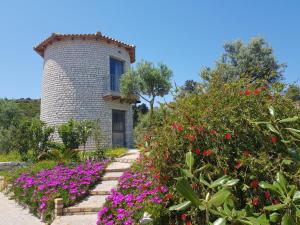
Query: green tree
x=255, y=61
x=293, y=92
x=10, y=113
x=7, y=139
x=138, y=111
x=69, y=133
x=147, y=81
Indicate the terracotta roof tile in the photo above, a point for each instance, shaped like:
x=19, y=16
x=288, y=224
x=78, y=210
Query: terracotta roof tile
x=40, y=48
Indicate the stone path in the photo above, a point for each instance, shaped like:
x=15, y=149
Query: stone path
x=13, y=214
x=85, y=212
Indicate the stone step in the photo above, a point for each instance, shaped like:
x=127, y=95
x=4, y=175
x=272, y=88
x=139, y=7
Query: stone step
x=112, y=176
x=95, y=192
x=118, y=167
x=81, y=211
x=76, y=220
x=91, y=204
x=124, y=160
x=133, y=156
x=104, y=187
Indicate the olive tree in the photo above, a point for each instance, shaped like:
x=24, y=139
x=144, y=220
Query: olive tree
x=147, y=81
x=255, y=60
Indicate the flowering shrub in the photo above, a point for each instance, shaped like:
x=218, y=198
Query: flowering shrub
x=138, y=192
x=217, y=126
x=39, y=190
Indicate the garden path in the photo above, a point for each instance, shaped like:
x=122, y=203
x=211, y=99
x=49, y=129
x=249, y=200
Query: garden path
x=13, y=214
x=85, y=212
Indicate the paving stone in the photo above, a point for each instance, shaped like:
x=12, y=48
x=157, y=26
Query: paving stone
x=76, y=220
x=118, y=166
x=13, y=214
x=91, y=201
x=106, y=185
x=130, y=156
x=112, y=176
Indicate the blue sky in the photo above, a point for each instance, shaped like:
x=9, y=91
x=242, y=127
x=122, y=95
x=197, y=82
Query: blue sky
x=186, y=35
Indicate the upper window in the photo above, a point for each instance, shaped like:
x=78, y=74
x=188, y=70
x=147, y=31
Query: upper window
x=116, y=70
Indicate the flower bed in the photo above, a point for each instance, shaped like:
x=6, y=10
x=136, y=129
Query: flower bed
x=138, y=192
x=39, y=190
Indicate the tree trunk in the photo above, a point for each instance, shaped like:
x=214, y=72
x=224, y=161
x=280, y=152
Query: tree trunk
x=151, y=109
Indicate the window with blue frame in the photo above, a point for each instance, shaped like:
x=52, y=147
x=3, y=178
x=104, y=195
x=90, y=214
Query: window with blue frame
x=116, y=70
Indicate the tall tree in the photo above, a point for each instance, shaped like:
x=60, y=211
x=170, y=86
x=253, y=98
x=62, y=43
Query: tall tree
x=293, y=92
x=147, y=81
x=255, y=61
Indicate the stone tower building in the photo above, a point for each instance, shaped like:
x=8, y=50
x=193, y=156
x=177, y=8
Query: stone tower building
x=81, y=76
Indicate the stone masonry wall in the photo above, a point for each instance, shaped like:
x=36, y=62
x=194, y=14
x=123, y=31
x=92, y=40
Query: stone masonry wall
x=75, y=79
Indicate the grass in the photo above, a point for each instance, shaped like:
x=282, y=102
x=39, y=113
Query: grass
x=9, y=157
x=34, y=168
x=115, y=152
x=108, y=152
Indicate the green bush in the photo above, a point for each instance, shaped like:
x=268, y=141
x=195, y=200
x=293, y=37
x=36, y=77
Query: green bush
x=216, y=124
x=32, y=134
x=69, y=133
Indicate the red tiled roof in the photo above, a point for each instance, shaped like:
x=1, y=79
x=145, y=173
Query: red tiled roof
x=40, y=48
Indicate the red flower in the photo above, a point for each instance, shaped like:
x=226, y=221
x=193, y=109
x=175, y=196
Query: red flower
x=273, y=140
x=168, y=196
x=193, y=127
x=267, y=195
x=177, y=127
x=183, y=216
x=201, y=128
x=188, y=222
x=275, y=202
x=238, y=164
x=191, y=138
x=254, y=184
x=255, y=201
x=228, y=136
x=247, y=92
x=213, y=132
x=256, y=91
x=197, y=151
x=246, y=153
x=208, y=152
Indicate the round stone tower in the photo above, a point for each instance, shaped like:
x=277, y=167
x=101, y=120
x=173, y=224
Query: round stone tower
x=81, y=75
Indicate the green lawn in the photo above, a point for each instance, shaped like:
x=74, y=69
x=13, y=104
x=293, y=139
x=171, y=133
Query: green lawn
x=115, y=152
x=108, y=152
x=9, y=157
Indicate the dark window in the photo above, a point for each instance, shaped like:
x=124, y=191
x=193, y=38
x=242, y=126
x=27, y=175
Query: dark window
x=118, y=128
x=116, y=70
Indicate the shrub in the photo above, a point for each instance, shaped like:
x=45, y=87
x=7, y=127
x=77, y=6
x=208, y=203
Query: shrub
x=216, y=124
x=32, y=134
x=69, y=133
